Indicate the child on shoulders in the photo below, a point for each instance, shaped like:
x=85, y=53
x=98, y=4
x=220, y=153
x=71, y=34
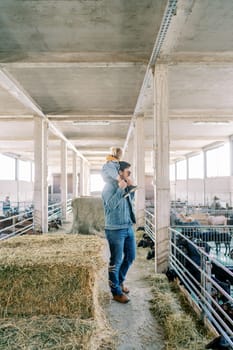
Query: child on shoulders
x=110, y=170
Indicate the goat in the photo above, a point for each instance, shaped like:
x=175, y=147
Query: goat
x=210, y=235
x=216, y=220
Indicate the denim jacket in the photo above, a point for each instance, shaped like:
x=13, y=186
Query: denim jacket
x=117, y=209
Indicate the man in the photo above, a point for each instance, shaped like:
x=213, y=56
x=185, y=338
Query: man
x=119, y=220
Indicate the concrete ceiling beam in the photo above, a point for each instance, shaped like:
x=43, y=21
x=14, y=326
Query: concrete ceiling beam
x=201, y=114
x=139, y=57
x=147, y=81
x=93, y=143
x=113, y=118
x=62, y=65
x=14, y=118
x=14, y=88
x=198, y=138
x=198, y=58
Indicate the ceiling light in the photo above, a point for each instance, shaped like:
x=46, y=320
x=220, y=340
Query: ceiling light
x=91, y=122
x=225, y=122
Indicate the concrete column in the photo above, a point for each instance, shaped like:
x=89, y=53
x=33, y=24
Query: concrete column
x=231, y=154
x=187, y=180
x=41, y=173
x=45, y=182
x=129, y=153
x=64, y=179
x=75, y=178
x=17, y=179
x=205, y=176
x=139, y=147
x=87, y=179
x=161, y=173
x=175, y=180
x=231, y=169
x=81, y=177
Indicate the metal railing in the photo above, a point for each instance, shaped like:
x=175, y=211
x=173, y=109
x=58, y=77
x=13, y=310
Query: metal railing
x=54, y=211
x=196, y=255
x=150, y=224
x=69, y=207
x=14, y=225
x=189, y=209
x=207, y=280
x=16, y=207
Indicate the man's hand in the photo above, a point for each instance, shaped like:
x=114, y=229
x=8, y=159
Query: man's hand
x=122, y=184
x=129, y=182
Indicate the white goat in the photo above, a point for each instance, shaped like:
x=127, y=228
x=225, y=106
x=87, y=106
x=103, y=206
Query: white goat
x=216, y=220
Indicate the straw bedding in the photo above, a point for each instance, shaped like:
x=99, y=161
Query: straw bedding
x=49, y=293
x=182, y=330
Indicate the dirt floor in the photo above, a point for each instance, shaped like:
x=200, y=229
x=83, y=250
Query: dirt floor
x=134, y=326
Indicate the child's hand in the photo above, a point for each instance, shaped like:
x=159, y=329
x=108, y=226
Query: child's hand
x=122, y=184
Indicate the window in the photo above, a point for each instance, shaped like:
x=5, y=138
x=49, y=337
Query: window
x=218, y=161
x=24, y=170
x=97, y=183
x=196, y=167
x=172, y=172
x=7, y=165
x=181, y=170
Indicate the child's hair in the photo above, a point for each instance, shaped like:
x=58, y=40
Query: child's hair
x=116, y=152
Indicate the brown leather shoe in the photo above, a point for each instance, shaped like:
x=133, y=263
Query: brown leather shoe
x=124, y=289
x=121, y=298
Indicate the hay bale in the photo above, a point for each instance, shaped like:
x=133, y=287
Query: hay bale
x=49, y=275
x=88, y=215
x=50, y=290
x=42, y=333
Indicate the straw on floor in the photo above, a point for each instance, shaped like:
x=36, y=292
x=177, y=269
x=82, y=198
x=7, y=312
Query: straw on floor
x=182, y=330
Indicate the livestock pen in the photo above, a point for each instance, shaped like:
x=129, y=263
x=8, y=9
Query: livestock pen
x=200, y=257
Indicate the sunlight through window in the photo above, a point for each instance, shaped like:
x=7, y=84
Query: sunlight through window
x=196, y=167
x=24, y=170
x=172, y=172
x=7, y=165
x=97, y=183
x=218, y=161
x=181, y=169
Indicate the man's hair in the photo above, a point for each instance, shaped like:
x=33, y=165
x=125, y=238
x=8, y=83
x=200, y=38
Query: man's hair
x=124, y=165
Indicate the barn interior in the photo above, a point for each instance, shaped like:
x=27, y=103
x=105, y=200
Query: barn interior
x=155, y=78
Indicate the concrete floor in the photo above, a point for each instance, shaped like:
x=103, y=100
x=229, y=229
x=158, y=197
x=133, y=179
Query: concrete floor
x=135, y=326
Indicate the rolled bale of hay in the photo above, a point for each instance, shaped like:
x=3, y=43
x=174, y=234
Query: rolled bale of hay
x=88, y=215
x=50, y=275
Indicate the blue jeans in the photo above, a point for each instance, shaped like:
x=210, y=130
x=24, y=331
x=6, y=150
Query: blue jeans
x=122, y=246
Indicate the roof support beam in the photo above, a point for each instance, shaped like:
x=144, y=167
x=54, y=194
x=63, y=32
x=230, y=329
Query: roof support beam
x=14, y=88
x=198, y=58
x=58, y=65
x=168, y=14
